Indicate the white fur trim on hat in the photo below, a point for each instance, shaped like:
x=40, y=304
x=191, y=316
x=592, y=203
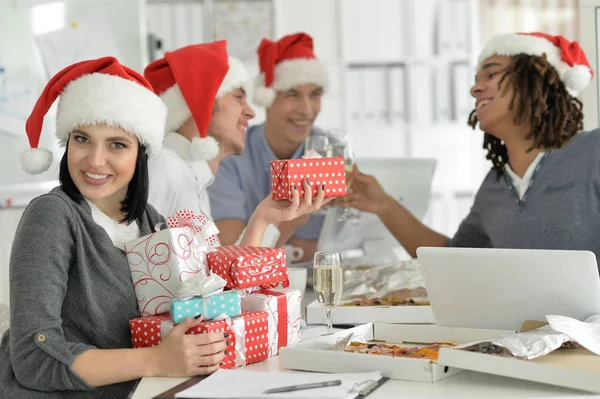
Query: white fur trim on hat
x=577, y=78
x=101, y=98
x=204, y=148
x=289, y=74
x=236, y=78
x=512, y=44
x=178, y=110
x=36, y=160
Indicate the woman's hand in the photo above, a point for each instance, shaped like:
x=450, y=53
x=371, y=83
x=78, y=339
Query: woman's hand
x=278, y=211
x=366, y=194
x=186, y=355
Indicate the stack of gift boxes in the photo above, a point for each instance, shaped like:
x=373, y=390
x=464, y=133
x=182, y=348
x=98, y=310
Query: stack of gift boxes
x=174, y=273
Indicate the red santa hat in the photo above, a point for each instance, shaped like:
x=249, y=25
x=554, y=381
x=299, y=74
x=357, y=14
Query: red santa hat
x=566, y=57
x=284, y=64
x=95, y=92
x=189, y=80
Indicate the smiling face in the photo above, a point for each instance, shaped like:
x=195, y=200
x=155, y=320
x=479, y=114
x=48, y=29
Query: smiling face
x=229, y=121
x=294, y=111
x=101, y=160
x=492, y=106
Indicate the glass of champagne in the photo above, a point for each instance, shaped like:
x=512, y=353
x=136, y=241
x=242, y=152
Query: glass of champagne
x=328, y=282
x=318, y=143
x=344, y=149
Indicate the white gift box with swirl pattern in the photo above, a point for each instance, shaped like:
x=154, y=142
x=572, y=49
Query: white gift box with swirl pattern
x=160, y=262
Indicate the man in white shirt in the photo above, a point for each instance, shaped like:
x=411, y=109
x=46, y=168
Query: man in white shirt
x=200, y=132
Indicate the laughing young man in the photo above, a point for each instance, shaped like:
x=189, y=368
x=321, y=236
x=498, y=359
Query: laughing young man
x=290, y=86
x=204, y=91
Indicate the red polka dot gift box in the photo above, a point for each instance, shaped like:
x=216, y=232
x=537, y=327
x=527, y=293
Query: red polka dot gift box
x=249, y=267
x=289, y=172
x=247, y=335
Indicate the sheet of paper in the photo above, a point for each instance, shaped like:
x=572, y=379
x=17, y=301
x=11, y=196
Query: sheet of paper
x=251, y=384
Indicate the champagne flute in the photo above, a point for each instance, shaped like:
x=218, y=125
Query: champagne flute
x=344, y=149
x=328, y=282
x=318, y=143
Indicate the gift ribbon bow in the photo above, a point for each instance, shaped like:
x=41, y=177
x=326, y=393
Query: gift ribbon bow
x=198, y=223
x=201, y=285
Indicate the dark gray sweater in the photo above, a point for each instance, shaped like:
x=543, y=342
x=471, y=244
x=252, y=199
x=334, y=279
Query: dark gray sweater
x=70, y=291
x=560, y=210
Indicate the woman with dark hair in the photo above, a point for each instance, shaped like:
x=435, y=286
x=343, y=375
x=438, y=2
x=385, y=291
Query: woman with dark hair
x=71, y=292
x=543, y=190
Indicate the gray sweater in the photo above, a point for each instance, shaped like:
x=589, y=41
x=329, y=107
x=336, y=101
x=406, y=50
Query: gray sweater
x=70, y=291
x=560, y=210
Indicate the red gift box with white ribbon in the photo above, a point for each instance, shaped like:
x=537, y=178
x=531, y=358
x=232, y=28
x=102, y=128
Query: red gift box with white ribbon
x=287, y=172
x=249, y=267
x=248, y=341
x=284, y=315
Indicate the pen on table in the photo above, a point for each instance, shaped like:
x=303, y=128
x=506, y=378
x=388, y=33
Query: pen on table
x=300, y=387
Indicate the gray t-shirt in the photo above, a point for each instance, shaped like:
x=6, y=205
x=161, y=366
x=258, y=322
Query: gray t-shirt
x=560, y=209
x=70, y=291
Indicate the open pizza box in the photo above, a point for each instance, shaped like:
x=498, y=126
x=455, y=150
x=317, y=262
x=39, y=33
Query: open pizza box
x=317, y=355
x=389, y=293
x=571, y=368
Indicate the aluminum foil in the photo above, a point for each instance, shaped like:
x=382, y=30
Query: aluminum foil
x=365, y=279
x=528, y=345
x=343, y=342
x=585, y=333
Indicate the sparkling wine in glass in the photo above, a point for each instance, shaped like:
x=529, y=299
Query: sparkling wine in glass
x=318, y=143
x=328, y=282
x=344, y=149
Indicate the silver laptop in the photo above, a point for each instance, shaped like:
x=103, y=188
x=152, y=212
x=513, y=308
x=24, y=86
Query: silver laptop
x=406, y=179
x=500, y=288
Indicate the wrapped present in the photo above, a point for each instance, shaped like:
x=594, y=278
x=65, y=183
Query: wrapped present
x=203, y=295
x=249, y=267
x=287, y=172
x=285, y=317
x=247, y=338
x=160, y=262
x=203, y=227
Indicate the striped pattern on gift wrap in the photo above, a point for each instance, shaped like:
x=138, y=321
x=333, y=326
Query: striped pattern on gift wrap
x=226, y=303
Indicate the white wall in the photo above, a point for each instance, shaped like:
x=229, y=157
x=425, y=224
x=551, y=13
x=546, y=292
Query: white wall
x=18, y=55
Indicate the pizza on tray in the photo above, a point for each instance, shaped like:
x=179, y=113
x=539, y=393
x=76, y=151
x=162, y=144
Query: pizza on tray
x=403, y=297
x=430, y=352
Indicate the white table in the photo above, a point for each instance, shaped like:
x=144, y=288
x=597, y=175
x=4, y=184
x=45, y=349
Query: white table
x=467, y=384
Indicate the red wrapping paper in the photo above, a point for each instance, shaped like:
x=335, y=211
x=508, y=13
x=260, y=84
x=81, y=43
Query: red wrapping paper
x=248, y=342
x=287, y=172
x=249, y=267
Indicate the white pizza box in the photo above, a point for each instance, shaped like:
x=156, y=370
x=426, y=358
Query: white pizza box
x=570, y=368
x=316, y=355
x=315, y=314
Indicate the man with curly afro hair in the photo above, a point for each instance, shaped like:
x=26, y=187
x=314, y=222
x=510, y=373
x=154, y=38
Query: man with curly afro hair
x=543, y=190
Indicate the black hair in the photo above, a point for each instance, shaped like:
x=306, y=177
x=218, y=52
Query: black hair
x=539, y=98
x=136, y=199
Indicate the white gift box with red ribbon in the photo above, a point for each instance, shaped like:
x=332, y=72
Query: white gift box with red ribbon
x=284, y=315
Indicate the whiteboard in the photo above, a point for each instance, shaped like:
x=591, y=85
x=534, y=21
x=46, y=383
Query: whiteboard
x=25, y=72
